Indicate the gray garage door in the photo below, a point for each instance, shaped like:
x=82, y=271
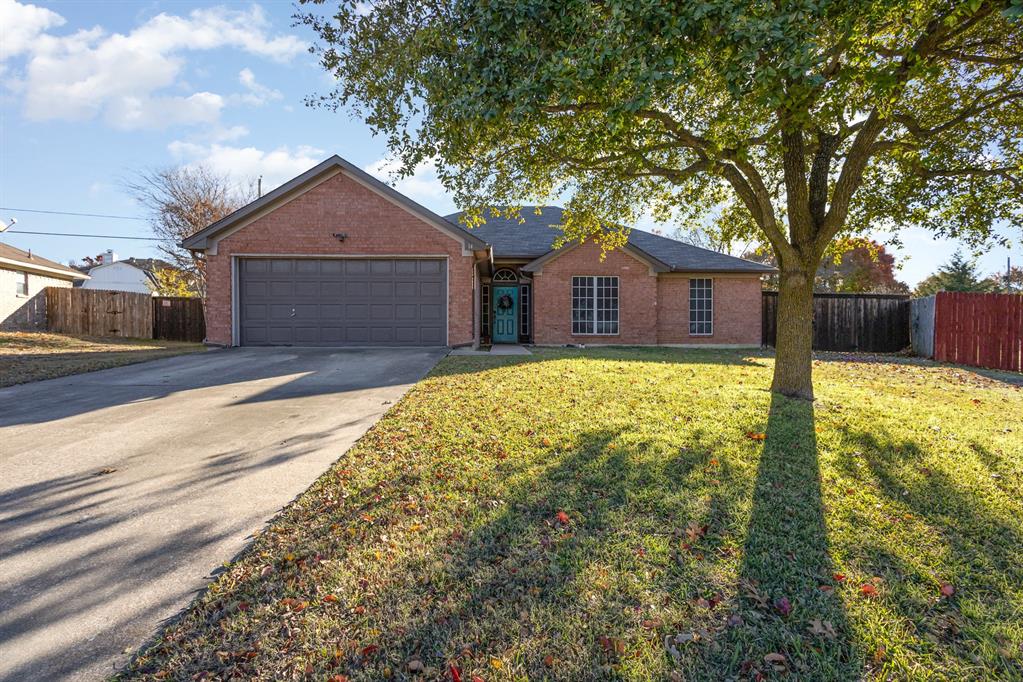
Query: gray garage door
x=342, y=302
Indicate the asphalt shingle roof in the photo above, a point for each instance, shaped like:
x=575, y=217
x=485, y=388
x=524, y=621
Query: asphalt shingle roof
x=535, y=236
x=29, y=259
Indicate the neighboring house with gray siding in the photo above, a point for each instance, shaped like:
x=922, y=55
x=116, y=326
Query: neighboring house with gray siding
x=23, y=278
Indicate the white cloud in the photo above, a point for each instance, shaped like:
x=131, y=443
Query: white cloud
x=258, y=94
x=245, y=164
x=91, y=73
x=20, y=25
x=423, y=185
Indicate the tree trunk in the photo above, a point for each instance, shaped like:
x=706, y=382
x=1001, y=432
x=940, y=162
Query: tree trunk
x=793, y=364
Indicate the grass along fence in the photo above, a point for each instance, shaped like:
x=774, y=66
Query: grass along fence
x=877, y=323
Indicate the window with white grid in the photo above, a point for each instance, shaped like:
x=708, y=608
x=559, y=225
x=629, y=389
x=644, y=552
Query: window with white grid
x=595, y=305
x=701, y=307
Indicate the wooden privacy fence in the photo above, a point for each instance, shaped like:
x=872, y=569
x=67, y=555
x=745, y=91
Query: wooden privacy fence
x=877, y=323
x=983, y=330
x=94, y=312
x=177, y=318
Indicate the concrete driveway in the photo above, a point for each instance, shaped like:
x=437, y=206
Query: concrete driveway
x=121, y=490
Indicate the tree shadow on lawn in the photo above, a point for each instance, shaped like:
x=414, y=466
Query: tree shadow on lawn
x=650, y=550
x=789, y=620
x=950, y=517
x=596, y=594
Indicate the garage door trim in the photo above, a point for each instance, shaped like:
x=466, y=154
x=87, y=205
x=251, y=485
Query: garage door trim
x=236, y=280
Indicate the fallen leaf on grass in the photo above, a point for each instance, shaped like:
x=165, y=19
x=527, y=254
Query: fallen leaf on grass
x=839, y=577
x=783, y=606
x=329, y=598
x=695, y=531
x=947, y=590
x=822, y=628
x=415, y=666
x=456, y=674
x=369, y=650
x=563, y=518
x=868, y=590
x=756, y=436
x=548, y=661
x=776, y=661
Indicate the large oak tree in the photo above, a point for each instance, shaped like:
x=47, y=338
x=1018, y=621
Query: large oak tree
x=795, y=122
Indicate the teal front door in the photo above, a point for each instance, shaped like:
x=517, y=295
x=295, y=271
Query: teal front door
x=506, y=307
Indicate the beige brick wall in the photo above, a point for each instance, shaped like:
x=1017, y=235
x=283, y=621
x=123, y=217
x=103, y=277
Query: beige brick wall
x=25, y=313
x=375, y=227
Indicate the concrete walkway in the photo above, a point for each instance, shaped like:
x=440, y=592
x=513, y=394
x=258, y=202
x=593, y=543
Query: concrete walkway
x=121, y=490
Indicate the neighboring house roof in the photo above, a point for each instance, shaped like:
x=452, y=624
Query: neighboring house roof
x=534, y=238
x=12, y=258
x=202, y=239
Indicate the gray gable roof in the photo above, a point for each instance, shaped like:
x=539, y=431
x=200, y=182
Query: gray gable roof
x=535, y=237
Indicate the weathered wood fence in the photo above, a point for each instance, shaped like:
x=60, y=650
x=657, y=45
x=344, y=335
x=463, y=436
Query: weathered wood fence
x=177, y=318
x=95, y=312
x=921, y=326
x=983, y=330
x=877, y=323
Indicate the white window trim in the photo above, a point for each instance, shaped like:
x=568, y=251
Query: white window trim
x=691, y=332
x=594, y=278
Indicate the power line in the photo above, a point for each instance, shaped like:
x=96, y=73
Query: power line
x=71, y=234
x=84, y=215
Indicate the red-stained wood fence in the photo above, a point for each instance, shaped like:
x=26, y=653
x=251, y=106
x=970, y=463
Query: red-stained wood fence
x=982, y=330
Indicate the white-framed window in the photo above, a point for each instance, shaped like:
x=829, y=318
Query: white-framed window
x=595, y=305
x=21, y=286
x=701, y=307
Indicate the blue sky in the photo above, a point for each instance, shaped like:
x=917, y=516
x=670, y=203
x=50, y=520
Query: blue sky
x=93, y=92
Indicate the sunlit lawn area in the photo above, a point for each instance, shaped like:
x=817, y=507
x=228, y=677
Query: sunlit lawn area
x=31, y=356
x=643, y=515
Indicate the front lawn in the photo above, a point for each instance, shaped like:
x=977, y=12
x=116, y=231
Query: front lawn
x=31, y=356
x=644, y=515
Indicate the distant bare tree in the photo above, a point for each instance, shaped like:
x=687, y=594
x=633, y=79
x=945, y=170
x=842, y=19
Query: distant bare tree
x=182, y=201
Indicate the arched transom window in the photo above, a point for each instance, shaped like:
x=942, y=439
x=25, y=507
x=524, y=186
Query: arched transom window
x=505, y=275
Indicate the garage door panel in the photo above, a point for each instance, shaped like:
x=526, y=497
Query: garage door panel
x=281, y=288
x=334, y=268
x=251, y=290
x=332, y=289
x=281, y=335
x=431, y=267
x=357, y=289
x=281, y=267
x=431, y=336
x=342, y=301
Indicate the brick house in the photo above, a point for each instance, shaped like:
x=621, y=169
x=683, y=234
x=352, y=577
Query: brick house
x=337, y=258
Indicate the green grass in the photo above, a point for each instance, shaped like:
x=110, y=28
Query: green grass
x=436, y=540
x=33, y=356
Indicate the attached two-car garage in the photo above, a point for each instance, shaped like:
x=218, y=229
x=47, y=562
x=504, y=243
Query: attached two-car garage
x=342, y=301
